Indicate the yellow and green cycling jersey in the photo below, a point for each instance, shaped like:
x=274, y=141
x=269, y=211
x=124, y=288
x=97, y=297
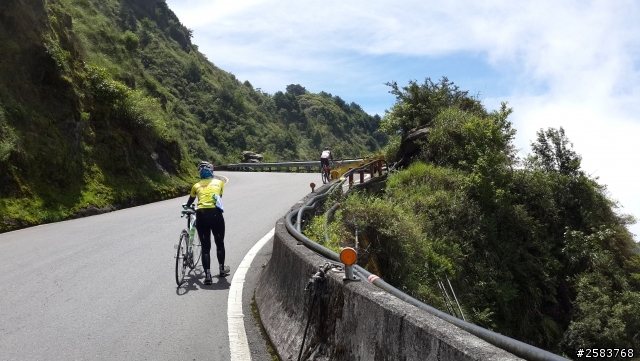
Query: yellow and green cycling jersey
x=205, y=189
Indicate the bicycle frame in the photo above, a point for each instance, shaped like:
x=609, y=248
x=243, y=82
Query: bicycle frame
x=186, y=245
x=191, y=223
x=191, y=226
x=326, y=168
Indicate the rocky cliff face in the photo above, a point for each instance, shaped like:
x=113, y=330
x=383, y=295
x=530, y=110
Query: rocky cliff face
x=34, y=97
x=164, y=17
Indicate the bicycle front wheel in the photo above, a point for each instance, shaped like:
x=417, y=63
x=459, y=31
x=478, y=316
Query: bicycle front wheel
x=196, y=251
x=181, y=258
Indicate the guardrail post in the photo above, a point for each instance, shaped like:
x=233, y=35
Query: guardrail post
x=351, y=178
x=361, y=176
x=371, y=170
x=380, y=167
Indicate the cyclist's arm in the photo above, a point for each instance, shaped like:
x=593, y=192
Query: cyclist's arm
x=192, y=195
x=190, y=201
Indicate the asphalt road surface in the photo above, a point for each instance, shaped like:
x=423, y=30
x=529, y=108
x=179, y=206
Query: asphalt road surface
x=103, y=287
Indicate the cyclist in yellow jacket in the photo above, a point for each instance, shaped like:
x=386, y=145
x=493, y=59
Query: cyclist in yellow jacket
x=209, y=217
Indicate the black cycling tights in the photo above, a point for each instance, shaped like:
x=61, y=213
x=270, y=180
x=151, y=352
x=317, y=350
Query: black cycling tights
x=210, y=220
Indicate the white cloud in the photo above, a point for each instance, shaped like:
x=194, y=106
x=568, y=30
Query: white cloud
x=196, y=13
x=572, y=63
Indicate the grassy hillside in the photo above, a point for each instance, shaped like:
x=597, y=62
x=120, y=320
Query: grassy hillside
x=534, y=247
x=107, y=103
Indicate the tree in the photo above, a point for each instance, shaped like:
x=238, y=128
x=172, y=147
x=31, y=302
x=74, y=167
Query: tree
x=419, y=104
x=285, y=101
x=341, y=103
x=296, y=89
x=131, y=40
x=192, y=73
x=553, y=152
x=316, y=137
x=464, y=140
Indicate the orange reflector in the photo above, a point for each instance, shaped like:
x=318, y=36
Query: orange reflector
x=348, y=256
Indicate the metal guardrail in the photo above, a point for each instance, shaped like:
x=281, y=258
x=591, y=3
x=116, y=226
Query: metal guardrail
x=285, y=166
x=508, y=344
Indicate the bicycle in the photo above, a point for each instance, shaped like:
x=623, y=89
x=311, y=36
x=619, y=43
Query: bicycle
x=189, y=246
x=326, y=174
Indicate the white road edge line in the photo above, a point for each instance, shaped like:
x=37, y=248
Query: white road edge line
x=238, y=344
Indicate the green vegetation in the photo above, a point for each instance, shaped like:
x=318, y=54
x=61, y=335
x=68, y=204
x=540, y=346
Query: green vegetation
x=534, y=248
x=107, y=103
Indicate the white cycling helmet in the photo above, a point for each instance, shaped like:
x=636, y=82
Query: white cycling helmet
x=205, y=165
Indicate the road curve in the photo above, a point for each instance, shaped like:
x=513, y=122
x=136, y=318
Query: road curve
x=103, y=287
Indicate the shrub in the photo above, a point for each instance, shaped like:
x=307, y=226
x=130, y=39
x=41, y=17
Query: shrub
x=130, y=40
x=130, y=107
x=460, y=139
x=393, y=244
x=603, y=315
x=419, y=104
x=8, y=137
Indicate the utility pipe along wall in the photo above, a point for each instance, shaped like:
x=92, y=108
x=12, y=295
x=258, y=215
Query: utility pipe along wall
x=350, y=320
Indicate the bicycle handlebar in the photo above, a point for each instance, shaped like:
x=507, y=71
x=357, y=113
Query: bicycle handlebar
x=188, y=210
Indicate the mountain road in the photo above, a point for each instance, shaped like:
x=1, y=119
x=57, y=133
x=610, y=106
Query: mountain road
x=103, y=287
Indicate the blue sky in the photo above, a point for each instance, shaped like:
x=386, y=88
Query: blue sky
x=574, y=64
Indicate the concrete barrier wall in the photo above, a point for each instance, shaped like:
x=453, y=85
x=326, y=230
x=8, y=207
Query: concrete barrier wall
x=351, y=320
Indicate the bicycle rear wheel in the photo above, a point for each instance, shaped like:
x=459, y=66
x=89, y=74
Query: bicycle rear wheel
x=181, y=258
x=325, y=177
x=196, y=251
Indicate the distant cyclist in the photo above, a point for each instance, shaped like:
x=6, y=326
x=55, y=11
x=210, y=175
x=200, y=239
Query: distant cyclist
x=325, y=157
x=209, y=217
